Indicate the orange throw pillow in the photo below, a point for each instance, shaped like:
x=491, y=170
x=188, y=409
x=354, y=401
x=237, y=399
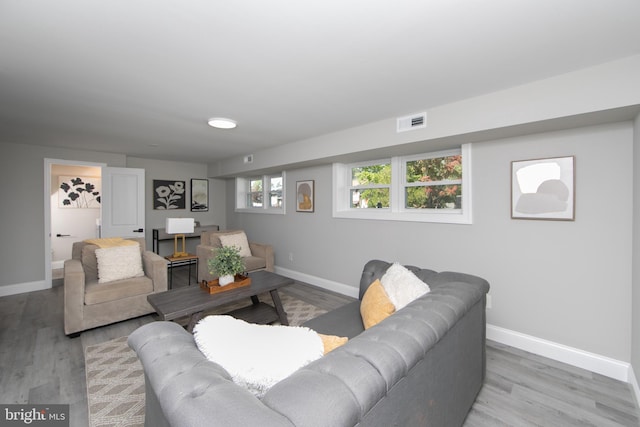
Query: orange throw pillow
x=375, y=305
x=331, y=342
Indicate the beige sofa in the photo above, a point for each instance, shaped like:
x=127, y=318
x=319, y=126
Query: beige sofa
x=89, y=304
x=261, y=258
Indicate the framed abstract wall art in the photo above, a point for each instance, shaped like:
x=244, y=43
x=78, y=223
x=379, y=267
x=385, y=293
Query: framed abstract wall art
x=543, y=189
x=304, y=196
x=199, y=195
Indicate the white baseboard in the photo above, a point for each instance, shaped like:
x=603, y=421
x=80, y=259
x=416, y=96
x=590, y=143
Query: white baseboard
x=22, y=288
x=603, y=365
x=582, y=359
x=319, y=281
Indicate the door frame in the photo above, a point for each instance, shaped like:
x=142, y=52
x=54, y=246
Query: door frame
x=47, y=209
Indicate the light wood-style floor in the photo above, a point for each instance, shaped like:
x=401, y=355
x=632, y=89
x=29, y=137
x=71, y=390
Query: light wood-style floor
x=39, y=364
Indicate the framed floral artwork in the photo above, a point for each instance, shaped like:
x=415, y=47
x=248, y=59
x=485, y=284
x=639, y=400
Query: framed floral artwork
x=168, y=194
x=80, y=192
x=199, y=195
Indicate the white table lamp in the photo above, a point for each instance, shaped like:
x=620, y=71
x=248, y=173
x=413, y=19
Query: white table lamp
x=179, y=226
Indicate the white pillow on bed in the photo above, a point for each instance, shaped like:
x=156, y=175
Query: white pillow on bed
x=402, y=286
x=256, y=356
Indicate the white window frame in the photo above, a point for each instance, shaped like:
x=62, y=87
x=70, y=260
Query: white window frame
x=242, y=189
x=397, y=212
x=368, y=186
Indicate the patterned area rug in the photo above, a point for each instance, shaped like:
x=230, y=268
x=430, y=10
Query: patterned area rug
x=115, y=380
x=299, y=311
x=115, y=385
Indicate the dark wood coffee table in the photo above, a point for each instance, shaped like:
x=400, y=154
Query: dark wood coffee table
x=193, y=301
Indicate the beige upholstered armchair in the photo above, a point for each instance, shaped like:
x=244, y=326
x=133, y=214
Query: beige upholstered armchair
x=92, y=298
x=257, y=256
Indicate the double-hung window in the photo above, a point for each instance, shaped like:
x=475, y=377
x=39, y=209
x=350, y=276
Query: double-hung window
x=370, y=185
x=260, y=194
x=255, y=195
x=429, y=187
x=432, y=181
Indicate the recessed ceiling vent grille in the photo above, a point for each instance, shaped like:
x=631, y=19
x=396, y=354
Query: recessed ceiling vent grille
x=414, y=121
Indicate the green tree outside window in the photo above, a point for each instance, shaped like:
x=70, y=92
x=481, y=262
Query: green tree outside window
x=437, y=183
x=377, y=176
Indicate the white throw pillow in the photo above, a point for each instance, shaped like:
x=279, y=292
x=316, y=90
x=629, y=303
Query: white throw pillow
x=119, y=262
x=238, y=240
x=256, y=356
x=402, y=285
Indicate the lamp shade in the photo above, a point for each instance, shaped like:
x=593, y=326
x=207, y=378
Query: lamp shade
x=180, y=225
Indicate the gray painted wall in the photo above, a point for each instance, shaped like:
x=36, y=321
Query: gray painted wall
x=567, y=282
x=181, y=171
x=22, y=212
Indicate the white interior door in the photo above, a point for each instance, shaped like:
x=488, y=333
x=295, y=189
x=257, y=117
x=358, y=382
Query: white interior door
x=123, y=202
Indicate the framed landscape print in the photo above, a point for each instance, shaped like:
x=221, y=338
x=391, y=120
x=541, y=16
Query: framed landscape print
x=543, y=189
x=199, y=195
x=168, y=194
x=304, y=196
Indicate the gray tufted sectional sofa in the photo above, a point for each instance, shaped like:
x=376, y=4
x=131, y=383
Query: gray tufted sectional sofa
x=422, y=366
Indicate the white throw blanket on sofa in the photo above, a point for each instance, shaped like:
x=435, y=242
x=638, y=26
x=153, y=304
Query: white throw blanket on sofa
x=256, y=356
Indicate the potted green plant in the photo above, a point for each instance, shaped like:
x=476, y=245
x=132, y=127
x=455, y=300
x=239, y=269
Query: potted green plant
x=226, y=263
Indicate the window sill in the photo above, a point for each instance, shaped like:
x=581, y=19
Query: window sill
x=260, y=211
x=456, y=217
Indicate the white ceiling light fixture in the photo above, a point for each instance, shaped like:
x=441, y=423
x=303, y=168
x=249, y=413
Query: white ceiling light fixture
x=222, y=123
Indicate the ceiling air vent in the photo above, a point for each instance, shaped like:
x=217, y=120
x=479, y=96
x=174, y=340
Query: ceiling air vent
x=248, y=158
x=414, y=121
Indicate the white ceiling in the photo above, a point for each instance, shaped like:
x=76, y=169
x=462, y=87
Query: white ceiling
x=141, y=77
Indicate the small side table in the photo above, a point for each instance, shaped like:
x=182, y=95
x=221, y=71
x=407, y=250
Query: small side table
x=189, y=260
